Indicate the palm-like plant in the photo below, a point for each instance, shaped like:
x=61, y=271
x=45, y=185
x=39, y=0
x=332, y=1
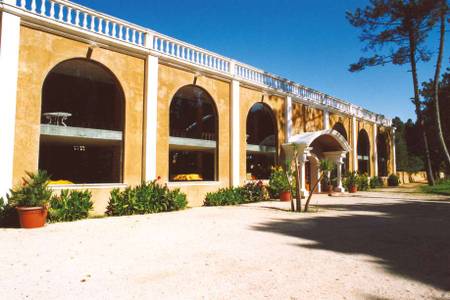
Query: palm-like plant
x=325, y=166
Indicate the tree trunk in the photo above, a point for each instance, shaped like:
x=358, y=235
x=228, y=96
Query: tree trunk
x=311, y=192
x=436, y=83
x=298, y=195
x=416, y=101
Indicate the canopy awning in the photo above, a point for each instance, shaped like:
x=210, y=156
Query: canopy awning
x=324, y=140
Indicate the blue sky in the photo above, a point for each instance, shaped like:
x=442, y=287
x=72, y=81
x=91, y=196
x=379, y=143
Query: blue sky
x=309, y=42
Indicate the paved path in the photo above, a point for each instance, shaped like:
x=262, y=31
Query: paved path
x=369, y=246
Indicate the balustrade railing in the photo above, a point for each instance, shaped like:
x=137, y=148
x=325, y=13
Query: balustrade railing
x=189, y=53
x=83, y=18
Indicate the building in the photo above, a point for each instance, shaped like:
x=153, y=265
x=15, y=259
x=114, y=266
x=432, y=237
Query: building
x=101, y=103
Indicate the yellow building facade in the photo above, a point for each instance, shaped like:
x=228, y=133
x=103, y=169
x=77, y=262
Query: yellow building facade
x=101, y=103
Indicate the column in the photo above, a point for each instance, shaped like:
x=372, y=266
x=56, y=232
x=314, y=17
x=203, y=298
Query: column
x=375, y=149
x=301, y=162
x=9, y=69
x=151, y=114
x=288, y=114
x=339, y=163
x=235, y=133
x=326, y=119
x=354, y=145
x=394, y=166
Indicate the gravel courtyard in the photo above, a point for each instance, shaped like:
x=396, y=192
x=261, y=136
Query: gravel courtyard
x=375, y=245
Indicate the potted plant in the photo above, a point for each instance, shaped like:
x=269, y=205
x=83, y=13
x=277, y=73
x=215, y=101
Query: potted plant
x=279, y=184
x=327, y=185
x=31, y=199
x=351, y=182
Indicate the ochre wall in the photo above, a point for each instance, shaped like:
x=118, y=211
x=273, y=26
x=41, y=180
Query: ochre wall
x=306, y=118
x=248, y=97
x=39, y=53
x=170, y=80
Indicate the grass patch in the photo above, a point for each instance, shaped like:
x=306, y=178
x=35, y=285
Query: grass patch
x=442, y=188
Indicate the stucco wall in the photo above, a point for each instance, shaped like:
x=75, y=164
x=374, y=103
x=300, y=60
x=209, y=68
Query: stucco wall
x=248, y=97
x=306, y=118
x=170, y=80
x=39, y=53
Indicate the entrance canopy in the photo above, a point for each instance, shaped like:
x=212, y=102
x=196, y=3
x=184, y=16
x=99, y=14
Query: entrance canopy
x=317, y=142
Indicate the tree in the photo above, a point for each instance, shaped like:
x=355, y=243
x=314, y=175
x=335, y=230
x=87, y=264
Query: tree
x=325, y=167
x=404, y=26
x=439, y=162
x=442, y=14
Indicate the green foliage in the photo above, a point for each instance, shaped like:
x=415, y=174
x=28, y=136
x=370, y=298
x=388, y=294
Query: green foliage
x=393, y=180
x=376, y=182
x=148, y=197
x=351, y=180
x=225, y=196
x=34, y=191
x=278, y=182
x=8, y=215
x=362, y=182
x=441, y=188
x=326, y=165
x=70, y=206
x=250, y=192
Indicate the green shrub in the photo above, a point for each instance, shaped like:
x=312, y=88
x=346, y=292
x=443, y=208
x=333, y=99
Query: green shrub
x=250, y=192
x=351, y=180
x=148, y=197
x=442, y=187
x=393, y=180
x=70, y=206
x=278, y=182
x=255, y=191
x=8, y=215
x=376, y=182
x=362, y=182
x=225, y=196
x=33, y=192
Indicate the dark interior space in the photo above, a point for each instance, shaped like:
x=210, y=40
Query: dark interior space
x=94, y=99
x=363, y=152
x=193, y=118
x=261, y=131
x=383, y=154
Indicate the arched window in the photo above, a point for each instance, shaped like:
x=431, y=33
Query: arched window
x=193, y=136
x=339, y=127
x=383, y=154
x=261, y=141
x=363, y=152
x=82, y=123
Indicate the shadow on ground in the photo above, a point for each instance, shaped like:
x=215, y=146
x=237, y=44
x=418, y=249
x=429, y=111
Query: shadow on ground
x=410, y=239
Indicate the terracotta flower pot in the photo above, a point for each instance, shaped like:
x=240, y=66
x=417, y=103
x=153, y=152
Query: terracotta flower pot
x=353, y=189
x=32, y=217
x=285, y=196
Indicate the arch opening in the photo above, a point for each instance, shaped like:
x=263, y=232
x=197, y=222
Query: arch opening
x=339, y=127
x=82, y=123
x=193, y=136
x=261, y=137
x=383, y=154
x=363, y=152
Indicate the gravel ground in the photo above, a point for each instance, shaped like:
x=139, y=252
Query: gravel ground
x=378, y=245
